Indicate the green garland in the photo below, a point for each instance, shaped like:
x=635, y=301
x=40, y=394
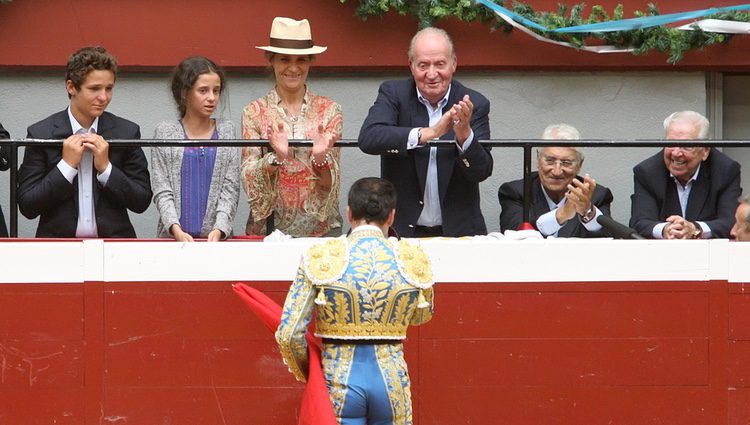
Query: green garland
x=660, y=39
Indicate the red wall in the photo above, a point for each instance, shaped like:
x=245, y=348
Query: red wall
x=158, y=34
x=510, y=353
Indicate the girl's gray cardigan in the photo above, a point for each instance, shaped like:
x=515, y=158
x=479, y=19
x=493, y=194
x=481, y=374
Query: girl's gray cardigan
x=166, y=178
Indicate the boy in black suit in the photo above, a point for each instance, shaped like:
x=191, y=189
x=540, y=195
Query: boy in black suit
x=85, y=189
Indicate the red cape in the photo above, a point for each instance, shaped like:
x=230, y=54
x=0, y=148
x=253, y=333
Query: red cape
x=316, y=408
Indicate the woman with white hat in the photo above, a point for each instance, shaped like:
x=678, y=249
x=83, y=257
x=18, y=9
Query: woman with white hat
x=297, y=186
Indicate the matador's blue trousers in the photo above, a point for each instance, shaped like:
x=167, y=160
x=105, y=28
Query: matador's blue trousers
x=368, y=383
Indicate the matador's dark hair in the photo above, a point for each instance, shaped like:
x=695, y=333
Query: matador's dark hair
x=372, y=199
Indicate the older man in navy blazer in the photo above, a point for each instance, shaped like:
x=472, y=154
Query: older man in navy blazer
x=438, y=187
x=685, y=191
x=86, y=188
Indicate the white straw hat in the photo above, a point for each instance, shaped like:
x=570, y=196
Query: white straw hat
x=291, y=37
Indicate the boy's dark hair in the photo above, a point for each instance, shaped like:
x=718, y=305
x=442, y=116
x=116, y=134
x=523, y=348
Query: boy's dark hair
x=87, y=59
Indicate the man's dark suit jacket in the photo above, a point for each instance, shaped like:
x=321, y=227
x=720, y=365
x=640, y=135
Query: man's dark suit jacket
x=712, y=200
x=510, y=195
x=44, y=191
x=4, y=154
x=385, y=132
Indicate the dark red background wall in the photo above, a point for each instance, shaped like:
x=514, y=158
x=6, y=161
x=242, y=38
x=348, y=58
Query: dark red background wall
x=157, y=34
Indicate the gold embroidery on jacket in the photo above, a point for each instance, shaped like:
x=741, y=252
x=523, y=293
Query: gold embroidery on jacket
x=372, y=298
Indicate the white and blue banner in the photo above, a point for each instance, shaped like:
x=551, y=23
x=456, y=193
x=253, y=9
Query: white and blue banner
x=708, y=25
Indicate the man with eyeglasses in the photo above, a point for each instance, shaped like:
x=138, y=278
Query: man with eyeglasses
x=563, y=204
x=685, y=191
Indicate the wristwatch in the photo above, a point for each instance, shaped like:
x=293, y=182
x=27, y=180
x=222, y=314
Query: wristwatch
x=590, y=214
x=698, y=231
x=419, y=136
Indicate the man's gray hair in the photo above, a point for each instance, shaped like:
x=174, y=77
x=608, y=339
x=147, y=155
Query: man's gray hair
x=434, y=31
x=563, y=131
x=746, y=200
x=690, y=117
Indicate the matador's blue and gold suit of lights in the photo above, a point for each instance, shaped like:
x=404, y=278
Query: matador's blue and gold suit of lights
x=366, y=290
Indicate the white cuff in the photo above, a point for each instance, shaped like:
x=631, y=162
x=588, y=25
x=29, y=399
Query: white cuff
x=67, y=171
x=467, y=143
x=656, y=233
x=103, y=178
x=547, y=223
x=413, y=141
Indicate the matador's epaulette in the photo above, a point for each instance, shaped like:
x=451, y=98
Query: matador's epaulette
x=326, y=262
x=414, y=264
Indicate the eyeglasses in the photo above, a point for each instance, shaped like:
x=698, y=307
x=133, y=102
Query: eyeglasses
x=567, y=164
x=687, y=149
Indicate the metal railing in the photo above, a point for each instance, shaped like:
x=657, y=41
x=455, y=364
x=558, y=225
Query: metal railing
x=526, y=144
